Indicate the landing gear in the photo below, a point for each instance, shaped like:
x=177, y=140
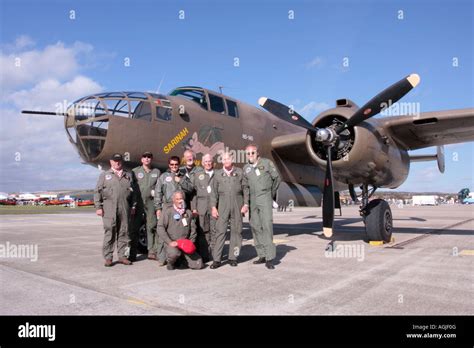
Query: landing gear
x=142, y=240
x=378, y=221
x=377, y=217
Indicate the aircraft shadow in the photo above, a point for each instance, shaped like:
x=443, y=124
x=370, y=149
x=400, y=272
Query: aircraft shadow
x=344, y=232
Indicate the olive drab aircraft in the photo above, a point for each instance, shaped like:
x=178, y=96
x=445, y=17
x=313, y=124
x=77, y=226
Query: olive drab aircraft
x=342, y=148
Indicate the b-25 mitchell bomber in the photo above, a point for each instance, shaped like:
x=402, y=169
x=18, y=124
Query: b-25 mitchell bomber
x=342, y=148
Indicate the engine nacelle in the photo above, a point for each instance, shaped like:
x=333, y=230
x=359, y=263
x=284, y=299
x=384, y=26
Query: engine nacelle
x=364, y=154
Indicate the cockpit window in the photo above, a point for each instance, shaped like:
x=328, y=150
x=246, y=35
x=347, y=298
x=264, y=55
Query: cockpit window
x=217, y=103
x=195, y=95
x=143, y=111
x=116, y=107
x=138, y=95
x=163, y=109
x=232, y=108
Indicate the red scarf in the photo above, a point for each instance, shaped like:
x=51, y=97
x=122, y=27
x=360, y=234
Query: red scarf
x=228, y=172
x=119, y=173
x=180, y=211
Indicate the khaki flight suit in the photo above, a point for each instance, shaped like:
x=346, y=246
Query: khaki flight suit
x=171, y=228
x=206, y=226
x=228, y=197
x=164, y=189
x=146, y=182
x=115, y=196
x=187, y=182
x=263, y=181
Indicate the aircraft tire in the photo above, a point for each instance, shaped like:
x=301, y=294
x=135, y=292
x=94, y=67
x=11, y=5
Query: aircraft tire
x=142, y=240
x=378, y=221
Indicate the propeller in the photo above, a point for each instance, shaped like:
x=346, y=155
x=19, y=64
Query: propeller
x=328, y=196
x=329, y=136
x=284, y=112
x=382, y=100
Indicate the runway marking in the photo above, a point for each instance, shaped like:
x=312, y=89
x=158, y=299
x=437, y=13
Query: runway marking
x=427, y=234
x=467, y=252
x=136, y=301
x=275, y=241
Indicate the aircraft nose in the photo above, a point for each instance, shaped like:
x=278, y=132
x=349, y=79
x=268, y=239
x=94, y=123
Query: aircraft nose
x=86, y=130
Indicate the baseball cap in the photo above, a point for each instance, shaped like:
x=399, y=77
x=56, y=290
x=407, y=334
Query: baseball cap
x=186, y=246
x=116, y=157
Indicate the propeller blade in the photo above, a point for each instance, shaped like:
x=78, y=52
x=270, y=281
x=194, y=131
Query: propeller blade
x=385, y=98
x=328, y=196
x=284, y=112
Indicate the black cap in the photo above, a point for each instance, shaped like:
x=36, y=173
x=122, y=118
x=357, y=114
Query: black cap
x=116, y=157
x=147, y=153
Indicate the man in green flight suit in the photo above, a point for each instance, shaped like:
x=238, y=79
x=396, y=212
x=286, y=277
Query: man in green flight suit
x=115, y=199
x=146, y=177
x=201, y=207
x=263, y=181
x=188, y=171
x=227, y=201
x=166, y=185
x=176, y=222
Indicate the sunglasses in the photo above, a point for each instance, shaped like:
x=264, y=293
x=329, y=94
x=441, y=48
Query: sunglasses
x=251, y=153
x=147, y=156
x=174, y=164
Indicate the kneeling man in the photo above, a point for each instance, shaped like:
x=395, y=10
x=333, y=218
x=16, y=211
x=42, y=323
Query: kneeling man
x=177, y=222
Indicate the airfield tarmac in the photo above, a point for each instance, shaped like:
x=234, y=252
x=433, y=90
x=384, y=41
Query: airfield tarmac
x=428, y=269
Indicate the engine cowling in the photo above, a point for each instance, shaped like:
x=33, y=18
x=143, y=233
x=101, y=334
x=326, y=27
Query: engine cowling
x=363, y=154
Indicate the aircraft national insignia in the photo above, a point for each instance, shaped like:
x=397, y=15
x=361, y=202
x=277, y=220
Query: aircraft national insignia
x=168, y=179
x=201, y=177
x=140, y=175
x=248, y=169
x=108, y=177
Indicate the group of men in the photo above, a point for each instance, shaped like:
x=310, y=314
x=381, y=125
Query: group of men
x=189, y=204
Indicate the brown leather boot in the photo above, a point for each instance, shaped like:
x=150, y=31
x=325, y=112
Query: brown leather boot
x=151, y=256
x=108, y=263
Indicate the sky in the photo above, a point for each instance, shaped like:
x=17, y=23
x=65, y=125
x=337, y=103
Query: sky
x=301, y=53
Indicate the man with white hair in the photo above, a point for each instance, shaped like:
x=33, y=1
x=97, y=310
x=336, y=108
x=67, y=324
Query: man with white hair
x=263, y=181
x=201, y=207
x=227, y=201
x=177, y=223
x=187, y=172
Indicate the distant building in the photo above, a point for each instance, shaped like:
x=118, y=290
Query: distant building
x=425, y=200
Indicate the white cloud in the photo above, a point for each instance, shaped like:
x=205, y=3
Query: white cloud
x=20, y=68
x=317, y=62
x=35, y=150
x=24, y=41
x=47, y=93
x=313, y=108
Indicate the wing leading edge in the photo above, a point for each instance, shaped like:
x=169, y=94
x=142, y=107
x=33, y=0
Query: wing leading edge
x=431, y=128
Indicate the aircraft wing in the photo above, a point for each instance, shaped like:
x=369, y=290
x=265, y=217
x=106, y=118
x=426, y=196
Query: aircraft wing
x=431, y=128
